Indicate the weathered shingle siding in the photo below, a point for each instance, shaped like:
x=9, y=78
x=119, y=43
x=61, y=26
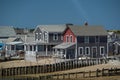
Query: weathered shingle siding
x=91, y=46
x=103, y=39
x=92, y=43
x=55, y=41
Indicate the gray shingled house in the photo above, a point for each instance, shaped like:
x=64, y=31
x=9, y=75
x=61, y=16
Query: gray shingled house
x=46, y=36
x=88, y=41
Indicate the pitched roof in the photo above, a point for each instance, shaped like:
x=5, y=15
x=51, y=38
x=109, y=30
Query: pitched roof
x=88, y=30
x=52, y=28
x=7, y=31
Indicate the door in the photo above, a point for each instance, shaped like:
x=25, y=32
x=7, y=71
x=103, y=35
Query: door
x=70, y=54
x=94, y=52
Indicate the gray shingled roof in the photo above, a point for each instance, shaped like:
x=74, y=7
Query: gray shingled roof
x=53, y=28
x=6, y=31
x=88, y=30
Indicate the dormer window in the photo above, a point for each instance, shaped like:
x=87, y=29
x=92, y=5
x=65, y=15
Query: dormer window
x=86, y=39
x=55, y=36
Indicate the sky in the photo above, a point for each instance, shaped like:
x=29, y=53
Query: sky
x=30, y=13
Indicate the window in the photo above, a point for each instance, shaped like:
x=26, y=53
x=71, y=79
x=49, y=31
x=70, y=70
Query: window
x=12, y=47
x=87, y=50
x=67, y=38
x=102, y=50
x=86, y=39
x=45, y=36
x=103, y=39
x=36, y=36
x=40, y=48
x=55, y=36
x=96, y=39
x=80, y=50
x=71, y=38
x=40, y=36
x=30, y=47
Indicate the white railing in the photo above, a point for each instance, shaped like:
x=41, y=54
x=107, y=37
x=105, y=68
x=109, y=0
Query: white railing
x=30, y=56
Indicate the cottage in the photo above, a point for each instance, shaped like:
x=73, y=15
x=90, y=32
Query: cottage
x=80, y=41
x=46, y=37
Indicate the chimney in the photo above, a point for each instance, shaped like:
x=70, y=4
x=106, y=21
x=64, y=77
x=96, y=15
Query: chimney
x=86, y=23
x=68, y=24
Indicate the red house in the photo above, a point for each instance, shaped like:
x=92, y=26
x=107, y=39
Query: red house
x=69, y=36
x=67, y=49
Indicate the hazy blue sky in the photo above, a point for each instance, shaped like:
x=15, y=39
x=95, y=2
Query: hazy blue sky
x=30, y=13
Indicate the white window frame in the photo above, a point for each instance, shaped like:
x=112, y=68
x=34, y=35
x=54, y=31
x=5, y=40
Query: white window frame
x=46, y=36
x=67, y=38
x=36, y=36
x=40, y=36
x=79, y=50
x=86, y=39
x=56, y=36
x=70, y=38
x=103, y=50
x=86, y=50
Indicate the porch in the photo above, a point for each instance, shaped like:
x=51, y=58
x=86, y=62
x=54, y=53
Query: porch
x=65, y=51
x=39, y=49
x=116, y=48
x=14, y=49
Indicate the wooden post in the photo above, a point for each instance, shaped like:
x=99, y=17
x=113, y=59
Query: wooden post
x=57, y=76
x=68, y=75
x=84, y=74
x=63, y=76
x=115, y=71
x=89, y=73
x=76, y=74
x=103, y=72
x=97, y=71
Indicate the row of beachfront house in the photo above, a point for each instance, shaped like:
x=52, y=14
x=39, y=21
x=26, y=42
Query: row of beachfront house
x=64, y=41
x=69, y=41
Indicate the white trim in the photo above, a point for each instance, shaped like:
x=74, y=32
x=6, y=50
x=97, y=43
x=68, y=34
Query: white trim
x=46, y=37
x=67, y=36
x=116, y=43
x=88, y=50
x=76, y=53
x=70, y=38
x=40, y=36
x=54, y=36
x=79, y=50
x=36, y=36
x=96, y=50
x=103, y=50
